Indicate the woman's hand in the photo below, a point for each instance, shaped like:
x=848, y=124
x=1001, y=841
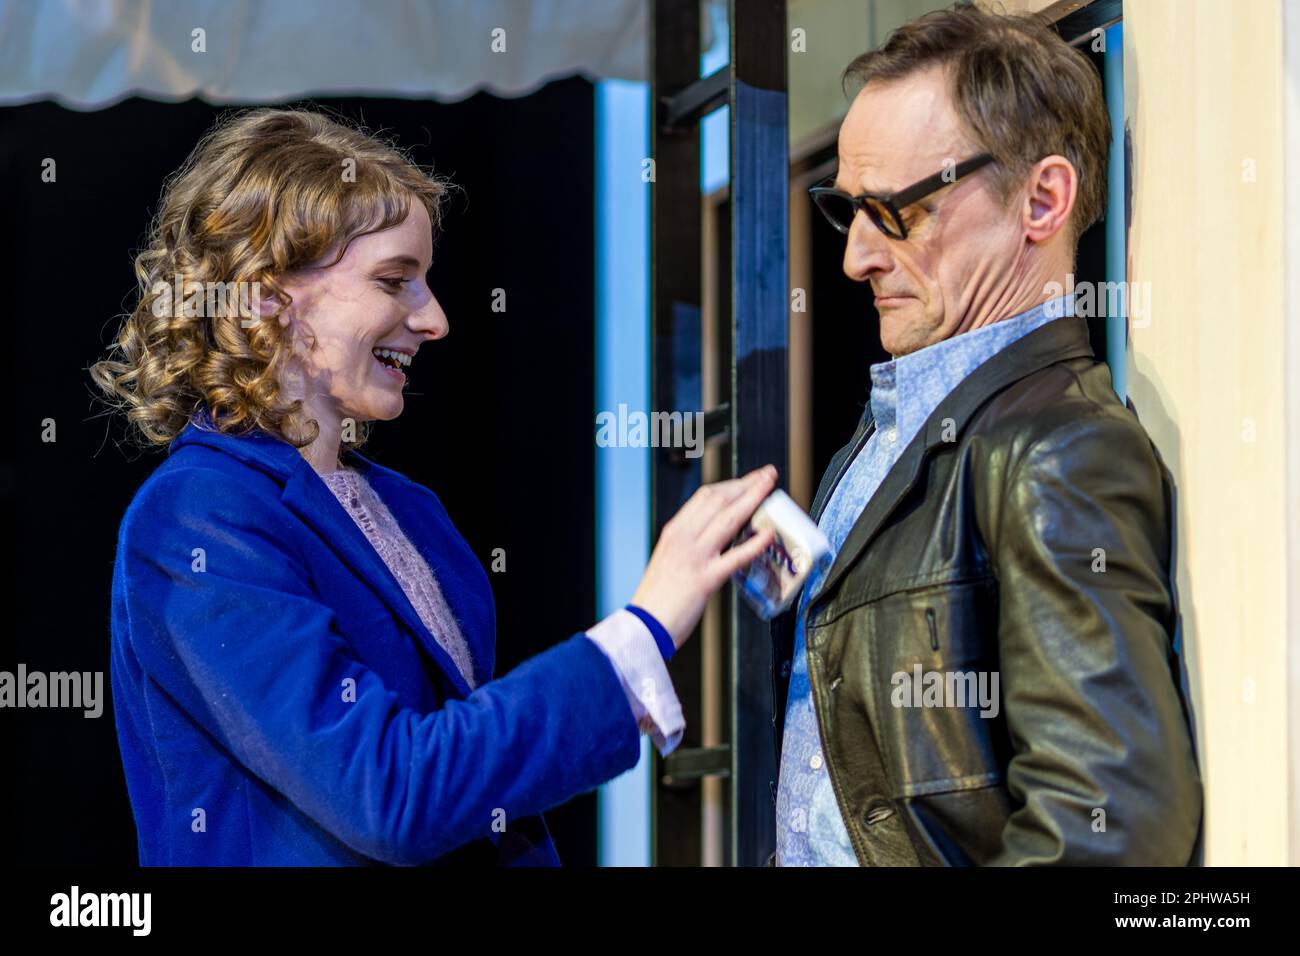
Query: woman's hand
x=688, y=563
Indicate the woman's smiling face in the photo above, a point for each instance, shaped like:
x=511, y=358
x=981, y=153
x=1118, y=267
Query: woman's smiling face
x=375, y=297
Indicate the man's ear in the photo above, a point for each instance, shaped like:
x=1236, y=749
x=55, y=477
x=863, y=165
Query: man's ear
x=1049, y=198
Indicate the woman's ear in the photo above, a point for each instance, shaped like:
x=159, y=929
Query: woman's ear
x=268, y=305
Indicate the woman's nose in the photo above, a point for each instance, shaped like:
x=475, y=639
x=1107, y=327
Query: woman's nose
x=431, y=319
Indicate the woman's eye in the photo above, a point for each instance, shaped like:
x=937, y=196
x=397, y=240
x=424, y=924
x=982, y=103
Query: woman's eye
x=394, y=284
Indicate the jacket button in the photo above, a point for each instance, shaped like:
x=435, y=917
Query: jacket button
x=785, y=669
x=875, y=814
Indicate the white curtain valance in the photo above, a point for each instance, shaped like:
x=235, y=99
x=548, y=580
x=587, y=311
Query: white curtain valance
x=88, y=54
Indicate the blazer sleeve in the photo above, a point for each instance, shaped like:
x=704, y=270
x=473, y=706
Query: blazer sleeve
x=258, y=661
x=1103, y=770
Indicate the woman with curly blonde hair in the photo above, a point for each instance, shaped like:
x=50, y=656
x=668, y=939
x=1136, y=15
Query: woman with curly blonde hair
x=303, y=645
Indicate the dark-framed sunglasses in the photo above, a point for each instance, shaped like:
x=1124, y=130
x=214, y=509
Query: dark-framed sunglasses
x=885, y=209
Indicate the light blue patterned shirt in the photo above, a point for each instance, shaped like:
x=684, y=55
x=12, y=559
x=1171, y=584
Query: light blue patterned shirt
x=905, y=391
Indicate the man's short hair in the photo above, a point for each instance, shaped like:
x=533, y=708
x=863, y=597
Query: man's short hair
x=1020, y=90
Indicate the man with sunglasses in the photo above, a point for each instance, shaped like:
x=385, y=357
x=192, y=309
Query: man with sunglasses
x=982, y=672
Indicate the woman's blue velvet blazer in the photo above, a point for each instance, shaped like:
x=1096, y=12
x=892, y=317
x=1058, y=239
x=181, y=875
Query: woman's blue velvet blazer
x=279, y=702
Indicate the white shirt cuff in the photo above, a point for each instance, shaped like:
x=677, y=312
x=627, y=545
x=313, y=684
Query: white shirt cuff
x=632, y=649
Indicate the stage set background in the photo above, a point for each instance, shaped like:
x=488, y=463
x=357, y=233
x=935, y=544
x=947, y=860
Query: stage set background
x=497, y=415
x=1218, y=247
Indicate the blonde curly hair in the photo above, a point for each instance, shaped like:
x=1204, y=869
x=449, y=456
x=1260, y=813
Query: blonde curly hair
x=266, y=191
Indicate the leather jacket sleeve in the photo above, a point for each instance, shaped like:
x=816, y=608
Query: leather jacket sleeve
x=1103, y=770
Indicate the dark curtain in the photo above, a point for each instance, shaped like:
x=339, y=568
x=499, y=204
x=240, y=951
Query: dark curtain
x=498, y=419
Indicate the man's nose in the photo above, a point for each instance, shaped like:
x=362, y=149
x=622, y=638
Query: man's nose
x=867, y=250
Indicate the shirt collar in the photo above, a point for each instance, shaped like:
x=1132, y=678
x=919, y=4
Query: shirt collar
x=907, y=388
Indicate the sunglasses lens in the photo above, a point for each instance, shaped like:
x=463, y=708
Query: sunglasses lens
x=837, y=209
x=884, y=219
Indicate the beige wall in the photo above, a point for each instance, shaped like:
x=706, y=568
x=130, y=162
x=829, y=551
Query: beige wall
x=1204, y=102
x=1291, y=266
x=835, y=32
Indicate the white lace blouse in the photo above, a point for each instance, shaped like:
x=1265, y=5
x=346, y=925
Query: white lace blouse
x=409, y=568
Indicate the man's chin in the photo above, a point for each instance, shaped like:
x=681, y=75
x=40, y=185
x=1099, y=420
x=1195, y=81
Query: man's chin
x=898, y=328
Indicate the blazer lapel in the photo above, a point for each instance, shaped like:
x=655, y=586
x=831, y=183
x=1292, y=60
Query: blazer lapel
x=308, y=497
x=1058, y=340
x=424, y=521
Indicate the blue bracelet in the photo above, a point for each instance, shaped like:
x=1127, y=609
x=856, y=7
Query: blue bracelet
x=666, y=646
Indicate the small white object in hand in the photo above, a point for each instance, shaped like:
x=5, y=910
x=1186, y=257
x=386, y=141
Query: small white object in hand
x=770, y=582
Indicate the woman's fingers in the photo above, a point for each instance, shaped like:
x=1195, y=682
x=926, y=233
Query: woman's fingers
x=743, y=554
x=708, y=500
x=728, y=521
x=688, y=563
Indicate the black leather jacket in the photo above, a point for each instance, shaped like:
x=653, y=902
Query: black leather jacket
x=982, y=552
